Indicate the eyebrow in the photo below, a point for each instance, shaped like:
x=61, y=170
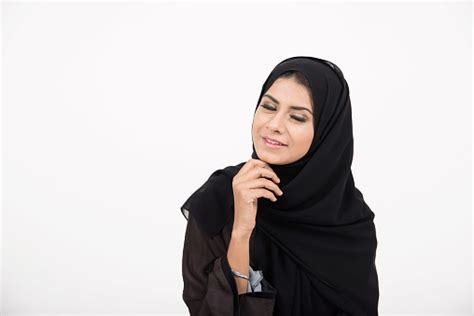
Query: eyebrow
x=294, y=107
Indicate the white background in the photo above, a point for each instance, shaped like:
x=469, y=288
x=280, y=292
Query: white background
x=114, y=113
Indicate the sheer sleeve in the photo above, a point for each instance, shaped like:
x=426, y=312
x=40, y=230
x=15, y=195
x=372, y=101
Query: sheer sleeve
x=209, y=285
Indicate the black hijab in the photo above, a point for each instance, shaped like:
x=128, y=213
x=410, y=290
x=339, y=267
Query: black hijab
x=321, y=222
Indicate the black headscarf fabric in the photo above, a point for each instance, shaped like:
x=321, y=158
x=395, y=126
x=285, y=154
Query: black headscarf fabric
x=321, y=222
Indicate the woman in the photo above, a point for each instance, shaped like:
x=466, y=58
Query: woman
x=291, y=216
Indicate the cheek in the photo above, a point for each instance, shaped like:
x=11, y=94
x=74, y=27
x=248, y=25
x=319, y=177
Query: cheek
x=255, y=127
x=302, y=136
x=258, y=121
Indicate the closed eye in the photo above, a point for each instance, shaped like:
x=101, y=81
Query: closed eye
x=301, y=119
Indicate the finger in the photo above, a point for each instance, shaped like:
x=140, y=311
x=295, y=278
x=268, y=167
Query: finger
x=248, y=171
x=265, y=183
x=247, y=166
x=260, y=172
x=263, y=164
x=267, y=173
x=266, y=194
x=243, y=172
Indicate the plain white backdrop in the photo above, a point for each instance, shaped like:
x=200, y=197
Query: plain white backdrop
x=114, y=113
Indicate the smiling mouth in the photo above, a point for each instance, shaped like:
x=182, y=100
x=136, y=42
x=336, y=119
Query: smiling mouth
x=271, y=144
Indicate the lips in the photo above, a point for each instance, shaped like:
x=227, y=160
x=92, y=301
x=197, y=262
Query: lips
x=274, y=141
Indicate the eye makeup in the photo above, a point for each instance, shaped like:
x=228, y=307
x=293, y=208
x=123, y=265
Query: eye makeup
x=301, y=119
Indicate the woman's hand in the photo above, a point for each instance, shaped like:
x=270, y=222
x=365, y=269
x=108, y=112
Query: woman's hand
x=250, y=183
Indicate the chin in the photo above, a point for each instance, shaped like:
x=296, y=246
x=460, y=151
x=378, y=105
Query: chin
x=269, y=158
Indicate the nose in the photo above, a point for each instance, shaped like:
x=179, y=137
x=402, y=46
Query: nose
x=275, y=123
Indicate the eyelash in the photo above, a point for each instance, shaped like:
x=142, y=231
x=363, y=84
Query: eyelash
x=265, y=106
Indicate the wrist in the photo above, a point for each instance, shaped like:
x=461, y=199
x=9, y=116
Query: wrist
x=241, y=234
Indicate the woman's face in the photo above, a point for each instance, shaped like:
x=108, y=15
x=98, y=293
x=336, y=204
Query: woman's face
x=277, y=119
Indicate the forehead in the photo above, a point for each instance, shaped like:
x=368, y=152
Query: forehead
x=287, y=91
